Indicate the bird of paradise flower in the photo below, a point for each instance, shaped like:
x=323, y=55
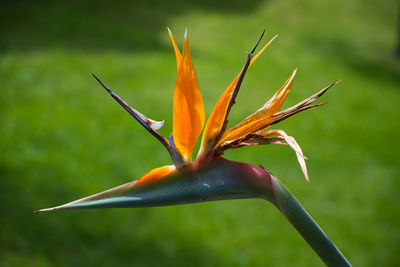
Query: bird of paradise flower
x=212, y=177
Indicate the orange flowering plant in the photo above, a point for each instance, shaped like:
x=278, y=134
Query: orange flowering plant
x=212, y=177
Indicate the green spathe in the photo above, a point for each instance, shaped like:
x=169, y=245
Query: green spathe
x=217, y=180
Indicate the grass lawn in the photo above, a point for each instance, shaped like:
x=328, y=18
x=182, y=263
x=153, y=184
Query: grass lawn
x=62, y=137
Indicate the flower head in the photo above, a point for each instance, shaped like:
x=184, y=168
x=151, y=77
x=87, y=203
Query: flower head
x=188, y=122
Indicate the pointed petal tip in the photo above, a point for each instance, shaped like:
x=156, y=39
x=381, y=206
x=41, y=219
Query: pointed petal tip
x=185, y=36
x=290, y=80
x=338, y=81
x=102, y=84
x=272, y=39
x=97, y=79
x=47, y=209
x=170, y=33
x=259, y=40
x=262, y=49
x=305, y=172
x=323, y=91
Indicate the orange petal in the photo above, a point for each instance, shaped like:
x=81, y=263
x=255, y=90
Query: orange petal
x=216, y=120
x=156, y=174
x=232, y=135
x=188, y=109
x=272, y=106
x=275, y=103
x=176, y=49
x=262, y=49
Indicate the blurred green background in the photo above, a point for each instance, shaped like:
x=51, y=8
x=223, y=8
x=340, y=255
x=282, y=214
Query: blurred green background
x=62, y=137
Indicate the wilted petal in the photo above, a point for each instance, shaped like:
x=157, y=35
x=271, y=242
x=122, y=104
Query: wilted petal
x=275, y=137
x=289, y=140
x=217, y=118
x=188, y=108
x=155, y=125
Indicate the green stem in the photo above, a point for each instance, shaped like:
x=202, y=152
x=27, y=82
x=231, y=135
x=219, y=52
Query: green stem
x=306, y=226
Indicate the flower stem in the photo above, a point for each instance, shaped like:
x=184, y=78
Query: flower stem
x=306, y=226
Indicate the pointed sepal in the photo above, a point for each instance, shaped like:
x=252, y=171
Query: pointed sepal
x=188, y=107
x=238, y=134
x=217, y=121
